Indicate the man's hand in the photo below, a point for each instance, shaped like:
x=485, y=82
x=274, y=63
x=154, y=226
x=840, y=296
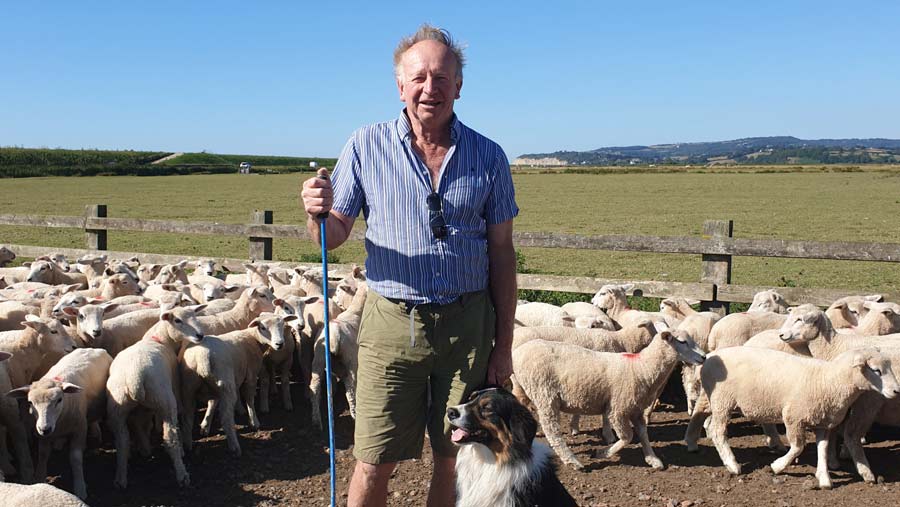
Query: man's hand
x=499, y=365
x=317, y=196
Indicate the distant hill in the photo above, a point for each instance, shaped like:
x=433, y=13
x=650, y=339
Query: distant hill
x=29, y=162
x=751, y=150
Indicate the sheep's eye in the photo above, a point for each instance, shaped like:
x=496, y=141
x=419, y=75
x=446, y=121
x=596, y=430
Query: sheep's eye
x=53, y=331
x=58, y=401
x=177, y=321
x=80, y=317
x=876, y=371
x=262, y=327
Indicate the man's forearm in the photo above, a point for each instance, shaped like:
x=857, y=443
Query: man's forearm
x=504, y=292
x=335, y=230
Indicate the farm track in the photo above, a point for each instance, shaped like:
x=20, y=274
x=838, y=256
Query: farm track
x=286, y=464
x=167, y=157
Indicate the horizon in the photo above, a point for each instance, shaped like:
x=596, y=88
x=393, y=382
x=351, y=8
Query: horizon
x=229, y=78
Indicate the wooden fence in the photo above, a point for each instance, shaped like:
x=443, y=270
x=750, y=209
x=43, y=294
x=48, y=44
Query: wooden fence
x=716, y=247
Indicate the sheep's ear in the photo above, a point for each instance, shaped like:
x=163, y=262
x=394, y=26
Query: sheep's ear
x=43, y=258
x=231, y=288
x=692, y=302
x=166, y=315
x=791, y=309
x=254, y=323
x=278, y=302
x=288, y=318
x=37, y=325
x=70, y=388
x=860, y=360
x=627, y=287
x=225, y=268
x=878, y=298
x=26, y=264
x=667, y=302
x=68, y=310
x=32, y=318
x=198, y=308
x=867, y=305
x=20, y=393
x=666, y=335
x=4, y=356
x=108, y=307
x=309, y=299
x=182, y=264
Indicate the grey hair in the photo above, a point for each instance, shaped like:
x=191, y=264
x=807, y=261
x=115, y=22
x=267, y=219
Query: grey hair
x=428, y=32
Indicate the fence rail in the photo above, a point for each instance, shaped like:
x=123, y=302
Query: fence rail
x=716, y=247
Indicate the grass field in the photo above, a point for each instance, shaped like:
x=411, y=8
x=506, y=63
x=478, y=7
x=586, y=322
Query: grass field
x=813, y=205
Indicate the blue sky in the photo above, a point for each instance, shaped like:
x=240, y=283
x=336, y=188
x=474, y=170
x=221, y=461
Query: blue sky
x=296, y=78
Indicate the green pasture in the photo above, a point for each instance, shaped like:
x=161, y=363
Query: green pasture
x=826, y=206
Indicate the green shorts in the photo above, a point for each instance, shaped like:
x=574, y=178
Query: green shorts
x=405, y=383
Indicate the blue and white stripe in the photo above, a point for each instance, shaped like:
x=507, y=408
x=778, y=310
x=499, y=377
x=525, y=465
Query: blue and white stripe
x=379, y=174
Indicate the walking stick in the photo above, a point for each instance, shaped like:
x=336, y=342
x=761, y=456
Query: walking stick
x=322, y=217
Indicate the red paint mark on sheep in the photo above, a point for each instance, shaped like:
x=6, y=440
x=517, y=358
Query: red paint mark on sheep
x=630, y=356
x=57, y=379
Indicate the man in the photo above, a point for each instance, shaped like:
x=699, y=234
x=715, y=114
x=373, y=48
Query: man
x=439, y=203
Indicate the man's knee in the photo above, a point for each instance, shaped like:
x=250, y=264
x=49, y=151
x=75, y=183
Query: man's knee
x=374, y=473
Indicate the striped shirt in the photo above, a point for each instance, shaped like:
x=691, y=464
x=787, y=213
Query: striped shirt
x=381, y=175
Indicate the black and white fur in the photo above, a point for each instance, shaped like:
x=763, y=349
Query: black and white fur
x=499, y=464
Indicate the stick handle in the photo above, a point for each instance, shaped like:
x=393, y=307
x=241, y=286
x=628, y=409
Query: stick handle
x=322, y=216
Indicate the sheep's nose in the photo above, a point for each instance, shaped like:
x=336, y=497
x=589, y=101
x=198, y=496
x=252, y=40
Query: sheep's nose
x=452, y=413
x=199, y=336
x=44, y=430
x=96, y=333
x=783, y=336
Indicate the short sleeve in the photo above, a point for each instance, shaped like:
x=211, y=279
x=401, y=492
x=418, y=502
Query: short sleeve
x=348, y=192
x=501, y=204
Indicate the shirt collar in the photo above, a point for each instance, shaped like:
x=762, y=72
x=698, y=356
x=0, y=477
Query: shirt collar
x=404, y=128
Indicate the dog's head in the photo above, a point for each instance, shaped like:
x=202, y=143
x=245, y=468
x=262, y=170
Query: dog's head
x=494, y=418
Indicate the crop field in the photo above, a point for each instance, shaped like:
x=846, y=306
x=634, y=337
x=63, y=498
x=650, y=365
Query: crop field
x=807, y=205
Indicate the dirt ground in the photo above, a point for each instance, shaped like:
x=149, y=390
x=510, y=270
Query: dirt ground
x=286, y=464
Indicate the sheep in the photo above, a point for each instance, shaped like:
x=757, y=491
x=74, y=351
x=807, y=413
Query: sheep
x=253, y=301
x=11, y=421
x=93, y=267
x=209, y=291
x=172, y=273
x=870, y=408
x=768, y=301
x=44, y=495
x=303, y=345
x=113, y=335
x=542, y=314
x=594, y=322
x=698, y=326
x=880, y=319
x=257, y=274
x=169, y=291
x=582, y=309
x=65, y=401
x=343, y=333
x=680, y=308
x=12, y=313
x=565, y=377
x=735, y=329
x=846, y=311
x=629, y=339
x=146, y=273
x=225, y=365
x=6, y=256
x=49, y=272
x=612, y=299
x=14, y=275
x=813, y=394
x=113, y=286
x=146, y=375
x=29, y=346
x=205, y=267
x=279, y=360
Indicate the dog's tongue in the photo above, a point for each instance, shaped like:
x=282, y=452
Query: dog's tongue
x=458, y=434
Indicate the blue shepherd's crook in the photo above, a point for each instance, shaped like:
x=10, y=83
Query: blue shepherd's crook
x=322, y=217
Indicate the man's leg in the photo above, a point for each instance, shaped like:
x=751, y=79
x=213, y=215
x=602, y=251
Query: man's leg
x=443, y=490
x=368, y=486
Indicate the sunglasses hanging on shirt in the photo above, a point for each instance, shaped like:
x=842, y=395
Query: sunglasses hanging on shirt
x=436, y=215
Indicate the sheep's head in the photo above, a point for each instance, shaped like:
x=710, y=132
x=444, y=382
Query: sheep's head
x=52, y=336
x=270, y=328
x=180, y=323
x=148, y=272
x=684, y=346
x=89, y=319
x=120, y=284
x=768, y=301
x=609, y=296
x=41, y=271
x=45, y=399
x=259, y=299
x=206, y=267
x=6, y=256
x=874, y=371
x=805, y=323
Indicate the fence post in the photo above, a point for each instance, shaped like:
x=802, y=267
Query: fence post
x=716, y=269
x=95, y=238
x=261, y=248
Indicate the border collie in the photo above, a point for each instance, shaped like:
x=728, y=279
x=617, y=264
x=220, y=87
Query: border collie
x=499, y=464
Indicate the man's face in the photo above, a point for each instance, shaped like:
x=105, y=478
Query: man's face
x=428, y=83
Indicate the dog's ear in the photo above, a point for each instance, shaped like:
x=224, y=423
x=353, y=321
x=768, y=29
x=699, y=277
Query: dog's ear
x=522, y=424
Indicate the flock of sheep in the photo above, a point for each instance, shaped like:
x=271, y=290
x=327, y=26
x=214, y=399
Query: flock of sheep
x=138, y=346
x=835, y=373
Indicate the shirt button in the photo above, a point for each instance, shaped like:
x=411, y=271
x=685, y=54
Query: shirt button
x=437, y=274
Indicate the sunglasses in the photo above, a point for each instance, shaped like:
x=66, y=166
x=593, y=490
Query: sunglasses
x=436, y=215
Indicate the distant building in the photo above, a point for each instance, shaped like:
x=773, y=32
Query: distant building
x=244, y=168
x=313, y=165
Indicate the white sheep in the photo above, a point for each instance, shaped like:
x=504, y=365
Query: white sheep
x=47, y=271
x=735, y=329
x=613, y=300
x=113, y=335
x=595, y=322
x=563, y=377
x=12, y=313
x=343, y=337
x=93, y=267
x=172, y=273
x=846, y=311
x=70, y=397
x=880, y=319
x=277, y=362
x=44, y=495
x=810, y=394
x=144, y=376
x=253, y=301
x=256, y=274
x=31, y=345
x=224, y=366
x=542, y=314
x=12, y=422
x=698, y=326
x=768, y=301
